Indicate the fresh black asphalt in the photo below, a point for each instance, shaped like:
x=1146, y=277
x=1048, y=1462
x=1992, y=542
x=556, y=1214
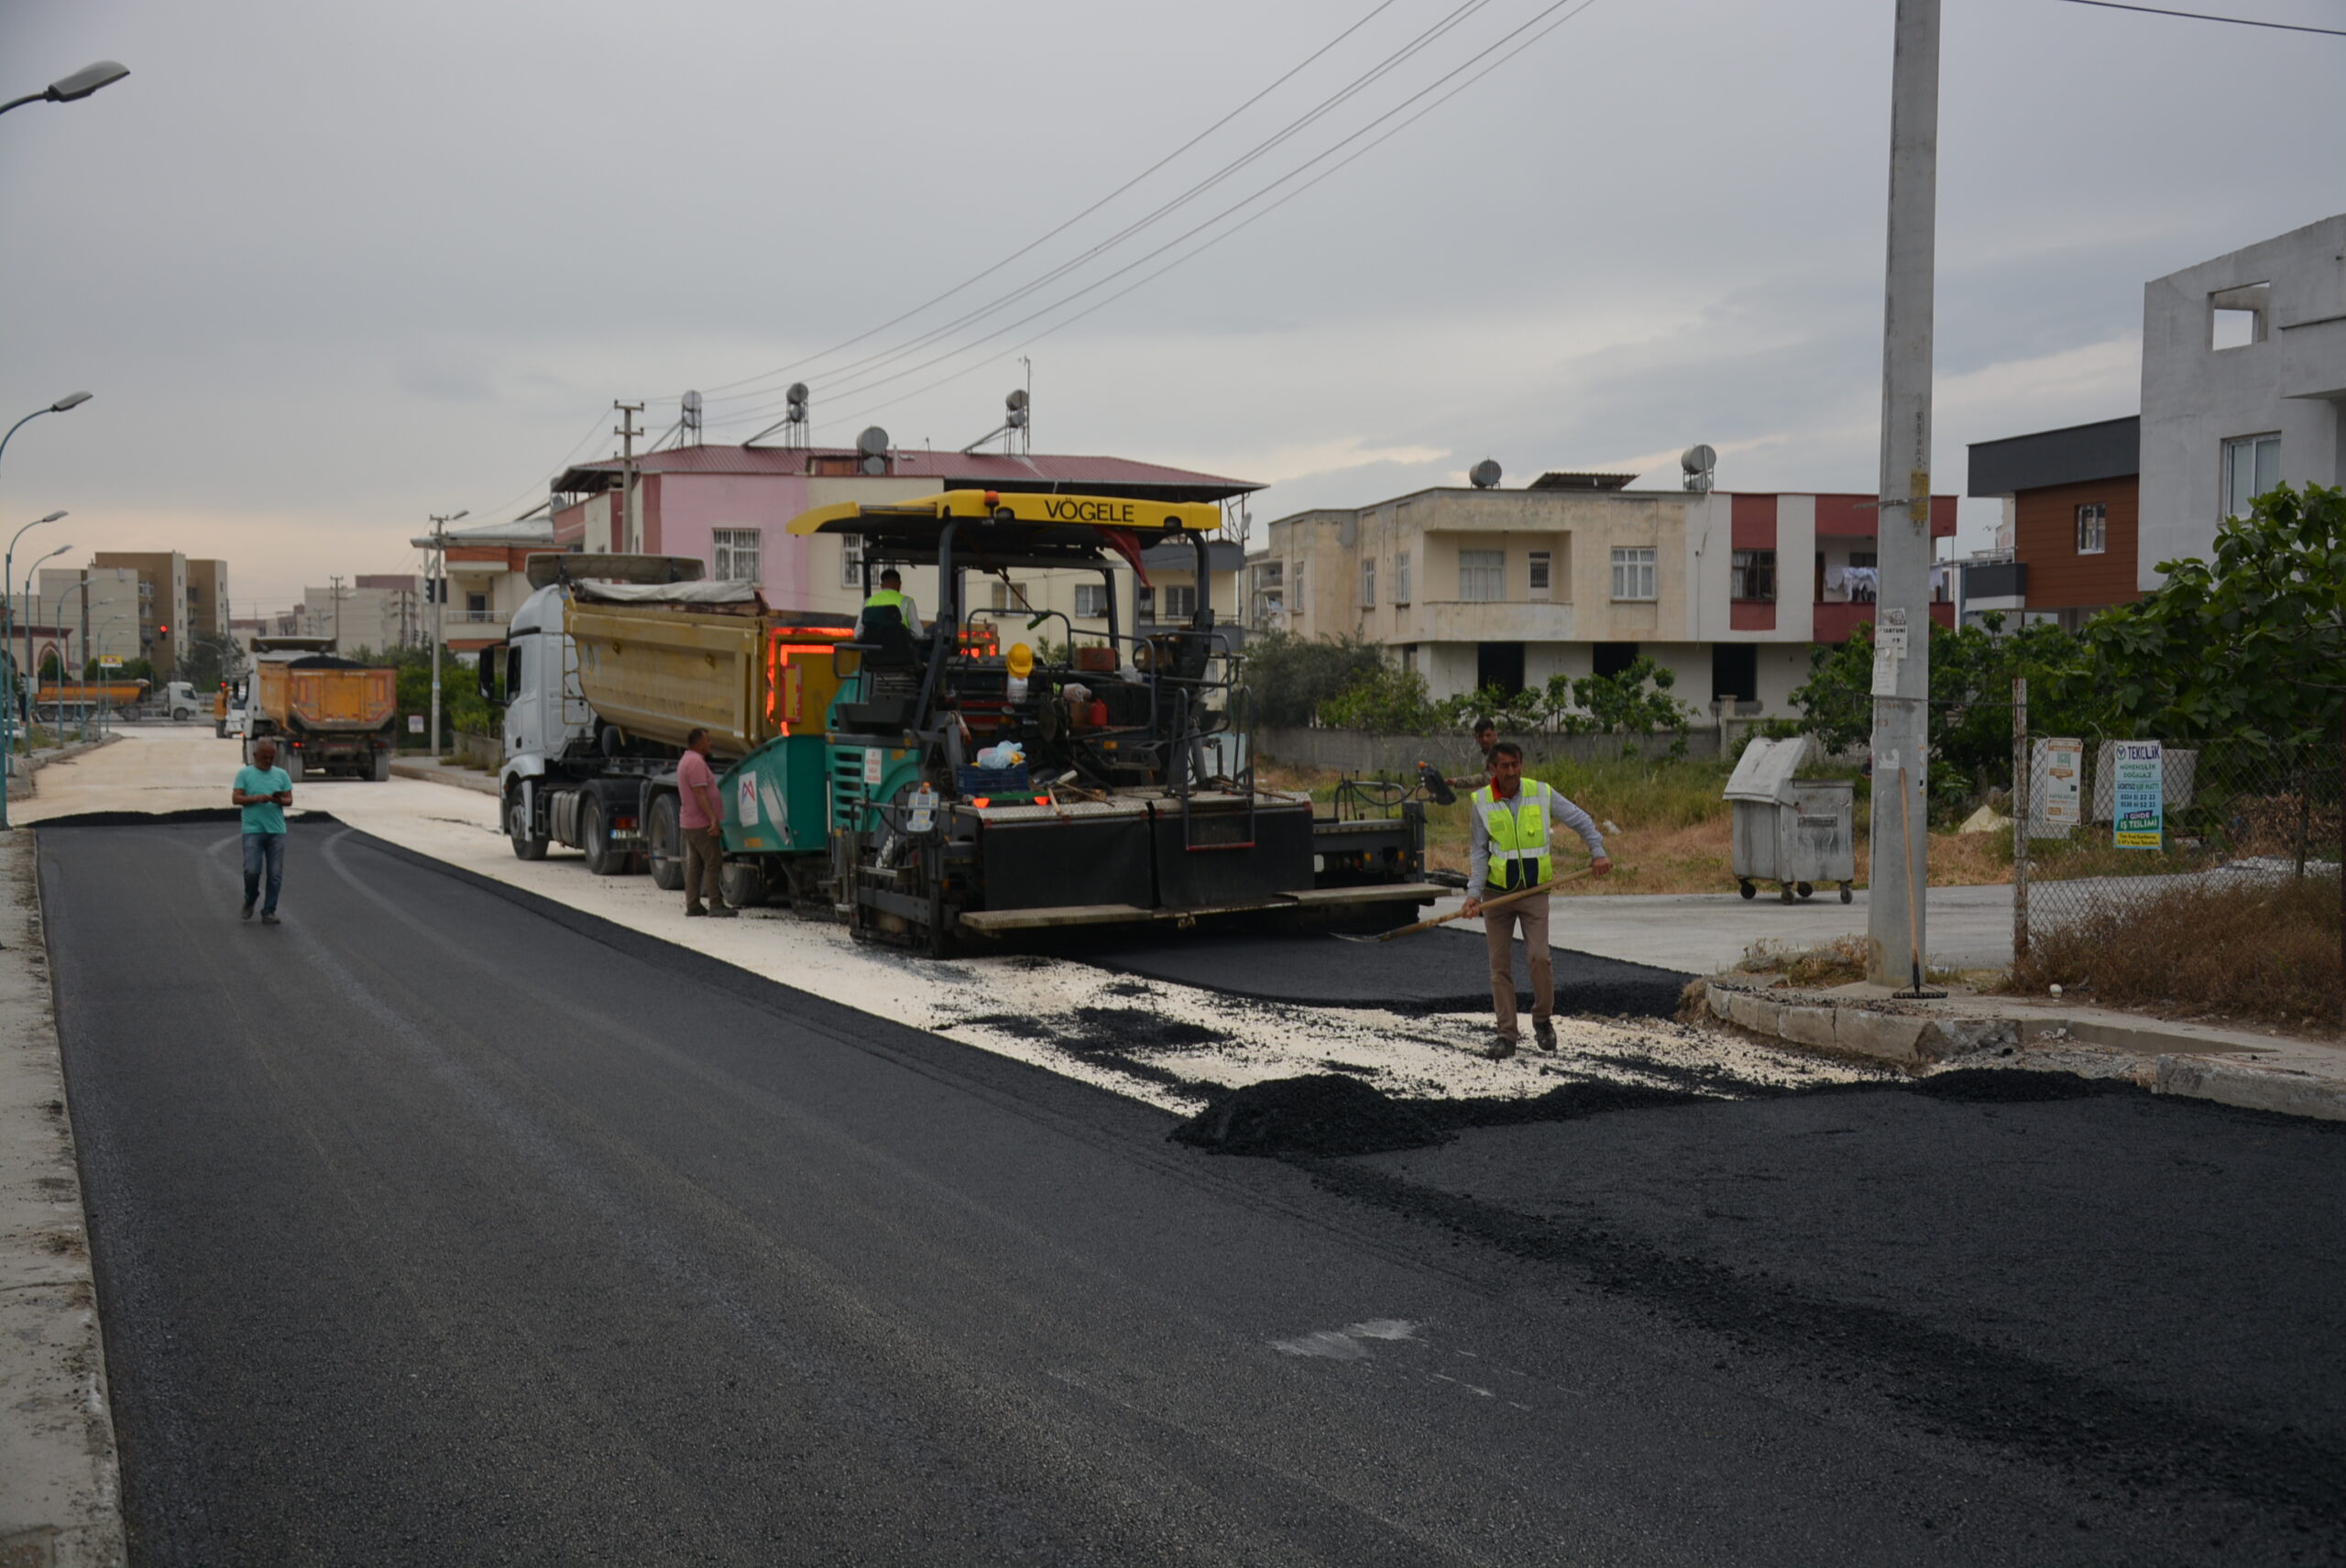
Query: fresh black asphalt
x=1434, y=971
x=440, y=1225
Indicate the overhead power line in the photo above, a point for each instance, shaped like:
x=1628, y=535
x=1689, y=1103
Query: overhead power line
x=1252, y=218
x=2204, y=17
x=1293, y=128
x=974, y=278
x=1243, y=202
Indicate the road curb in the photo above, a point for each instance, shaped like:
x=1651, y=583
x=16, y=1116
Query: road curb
x=2160, y=1060
x=479, y=784
x=60, y=1494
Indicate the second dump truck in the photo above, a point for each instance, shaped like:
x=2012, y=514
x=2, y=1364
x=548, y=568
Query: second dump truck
x=329, y=714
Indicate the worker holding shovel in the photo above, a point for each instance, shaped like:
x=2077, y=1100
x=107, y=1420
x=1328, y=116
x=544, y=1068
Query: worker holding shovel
x=1512, y=818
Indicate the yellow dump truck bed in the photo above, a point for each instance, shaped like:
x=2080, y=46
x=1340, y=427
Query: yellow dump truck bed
x=657, y=672
x=325, y=700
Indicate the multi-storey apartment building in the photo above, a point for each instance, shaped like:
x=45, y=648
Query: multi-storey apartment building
x=1577, y=573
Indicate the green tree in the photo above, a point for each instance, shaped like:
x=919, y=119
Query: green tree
x=1622, y=704
x=1289, y=677
x=210, y=656
x=1388, y=700
x=1972, y=669
x=51, y=669
x=2249, y=646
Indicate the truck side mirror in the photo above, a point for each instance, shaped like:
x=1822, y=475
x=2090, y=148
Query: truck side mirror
x=489, y=659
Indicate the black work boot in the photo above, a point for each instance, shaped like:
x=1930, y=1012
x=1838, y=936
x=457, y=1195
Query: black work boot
x=1544, y=1034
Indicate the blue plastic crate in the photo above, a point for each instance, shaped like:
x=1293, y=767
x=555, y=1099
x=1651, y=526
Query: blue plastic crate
x=971, y=780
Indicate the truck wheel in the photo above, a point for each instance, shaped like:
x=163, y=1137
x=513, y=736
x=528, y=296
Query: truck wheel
x=594, y=839
x=182, y=714
x=382, y=767
x=301, y=769
x=527, y=846
x=741, y=883
x=663, y=838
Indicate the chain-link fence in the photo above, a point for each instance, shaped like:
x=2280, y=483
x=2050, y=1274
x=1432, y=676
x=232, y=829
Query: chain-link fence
x=2152, y=852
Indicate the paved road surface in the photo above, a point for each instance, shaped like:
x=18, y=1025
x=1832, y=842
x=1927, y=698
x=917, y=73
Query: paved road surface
x=435, y=1226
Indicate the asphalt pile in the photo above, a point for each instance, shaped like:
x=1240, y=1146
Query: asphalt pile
x=1323, y=1115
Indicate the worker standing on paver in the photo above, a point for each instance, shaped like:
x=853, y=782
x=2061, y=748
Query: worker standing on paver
x=701, y=815
x=891, y=594
x=264, y=792
x=1487, y=736
x=1511, y=820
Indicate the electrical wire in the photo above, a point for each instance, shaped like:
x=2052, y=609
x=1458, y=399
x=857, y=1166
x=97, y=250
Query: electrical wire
x=726, y=386
x=538, y=487
x=2204, y=17
x=1293, y=128
x=1469, y=62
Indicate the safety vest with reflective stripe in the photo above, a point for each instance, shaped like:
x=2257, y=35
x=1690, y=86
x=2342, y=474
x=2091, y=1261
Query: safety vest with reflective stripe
x=886, y=599
x=1519, y=832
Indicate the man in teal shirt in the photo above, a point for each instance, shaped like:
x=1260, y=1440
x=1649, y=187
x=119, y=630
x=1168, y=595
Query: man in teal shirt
x=264, y=791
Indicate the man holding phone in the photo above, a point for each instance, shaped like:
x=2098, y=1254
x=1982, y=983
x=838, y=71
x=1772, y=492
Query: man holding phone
x=264, y=791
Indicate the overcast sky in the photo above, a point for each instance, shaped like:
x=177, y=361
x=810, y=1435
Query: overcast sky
x=332, y=267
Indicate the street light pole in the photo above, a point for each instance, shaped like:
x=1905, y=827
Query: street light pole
x=73, y=88
x=435, y=583
x=32, y=603
x=1901, y=842
x=69, y=400
x=67, y=645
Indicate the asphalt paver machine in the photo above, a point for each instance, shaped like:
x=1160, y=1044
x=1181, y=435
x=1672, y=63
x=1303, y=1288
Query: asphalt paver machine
x=1134, y=798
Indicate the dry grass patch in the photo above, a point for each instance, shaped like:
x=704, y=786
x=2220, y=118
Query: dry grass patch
x=2268, y=953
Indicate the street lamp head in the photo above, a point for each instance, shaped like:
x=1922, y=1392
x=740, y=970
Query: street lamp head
x=86, y=81
x=460, y=516
x=69, y=400
x=52, y=517
x=59, y=551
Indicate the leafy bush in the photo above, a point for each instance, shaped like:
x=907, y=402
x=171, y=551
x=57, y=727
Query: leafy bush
x=1390, y=699
x=1289, y=677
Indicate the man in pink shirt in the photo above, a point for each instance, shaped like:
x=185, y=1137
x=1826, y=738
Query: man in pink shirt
x=701, y=814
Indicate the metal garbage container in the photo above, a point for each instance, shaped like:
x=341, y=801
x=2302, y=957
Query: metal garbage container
x=1795, y=832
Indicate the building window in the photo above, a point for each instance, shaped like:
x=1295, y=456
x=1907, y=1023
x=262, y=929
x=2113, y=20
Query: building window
x=2252, y=467
x=736, y=550
x=1368, y=585
x=1409, y=659
x=1633, y=571
x=1401, y=578
x=850, y=560
x=1091, y=601
x=477, y=605
x=1482, y=575
x=1180, y=601
x=1543, y=571
x=2093, y=529
x=1755, y=575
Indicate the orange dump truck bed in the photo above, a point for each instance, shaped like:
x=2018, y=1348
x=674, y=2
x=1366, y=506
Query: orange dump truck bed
x=328, y=701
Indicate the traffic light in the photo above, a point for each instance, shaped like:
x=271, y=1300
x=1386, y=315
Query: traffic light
x=162, y=632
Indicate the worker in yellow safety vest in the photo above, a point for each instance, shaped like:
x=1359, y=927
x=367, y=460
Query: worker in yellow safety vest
x=1509, y=850
x=891, y=594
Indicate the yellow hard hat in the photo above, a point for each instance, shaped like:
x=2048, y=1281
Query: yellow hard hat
x=1022, y=660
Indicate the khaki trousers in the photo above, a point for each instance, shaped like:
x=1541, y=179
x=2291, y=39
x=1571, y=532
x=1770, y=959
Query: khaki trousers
x=1499, y=926
x=704, y=861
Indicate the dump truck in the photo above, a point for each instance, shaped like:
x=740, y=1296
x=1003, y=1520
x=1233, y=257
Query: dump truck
x=608, y=667
x=329, y=714
x=64, y=699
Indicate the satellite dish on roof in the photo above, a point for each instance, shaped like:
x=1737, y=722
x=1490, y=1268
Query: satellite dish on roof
x=873, y=445
x=692, y=403
x=1486, y=474
x=1017, y=399
x=796, y=392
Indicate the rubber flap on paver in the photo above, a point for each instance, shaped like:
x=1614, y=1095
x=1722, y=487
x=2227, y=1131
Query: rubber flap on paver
x=1322, y=1113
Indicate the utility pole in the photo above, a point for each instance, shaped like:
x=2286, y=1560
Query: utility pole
x=623, y=526
x=334, y=596
x=435, y=589
x=1901, y=678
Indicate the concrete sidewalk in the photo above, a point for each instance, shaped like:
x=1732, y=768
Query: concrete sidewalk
x=2260, y=1069
x=59, y=1481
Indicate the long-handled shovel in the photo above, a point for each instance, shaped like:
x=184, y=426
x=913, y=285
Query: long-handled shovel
x=1918, y=991
x=1499, y=903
